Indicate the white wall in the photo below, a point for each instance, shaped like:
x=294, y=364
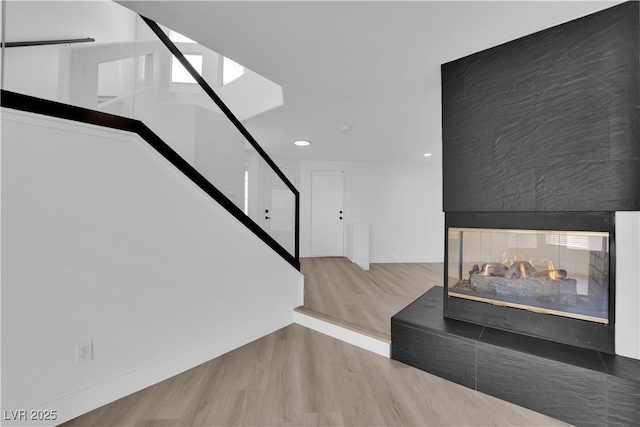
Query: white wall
x=402, y=203
x=115, y=77
x=175, y=124
x=33, y=71
x=103, y=241
x=220, y=153
x=103, y=20
x=251, y=95
x=628, y=284
x=206, y=139
x=37, y=70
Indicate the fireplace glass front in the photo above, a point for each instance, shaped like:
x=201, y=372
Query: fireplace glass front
x=562, y=273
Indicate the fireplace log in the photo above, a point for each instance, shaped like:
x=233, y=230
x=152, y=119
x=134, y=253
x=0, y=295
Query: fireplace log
x=520, y=270
x=493, y=269
x=560, y=274
x=564, y=289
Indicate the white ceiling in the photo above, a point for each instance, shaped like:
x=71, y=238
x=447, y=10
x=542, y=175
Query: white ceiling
x=371, y=65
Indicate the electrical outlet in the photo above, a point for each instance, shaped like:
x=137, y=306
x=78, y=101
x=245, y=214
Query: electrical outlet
x=84, y=352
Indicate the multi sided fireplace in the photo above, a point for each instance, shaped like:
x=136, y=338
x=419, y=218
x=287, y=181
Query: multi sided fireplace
x=543, y=274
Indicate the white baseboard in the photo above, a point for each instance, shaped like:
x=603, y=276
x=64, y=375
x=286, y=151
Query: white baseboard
x=403, y=259
x=88, y=399
x=398, y=259
x=343, y=334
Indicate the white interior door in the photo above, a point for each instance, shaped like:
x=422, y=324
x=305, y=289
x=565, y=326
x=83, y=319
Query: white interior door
x=279, y=208
x=327, y=229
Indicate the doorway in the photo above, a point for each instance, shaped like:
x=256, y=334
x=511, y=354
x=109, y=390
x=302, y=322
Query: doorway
x=327, y=225
x=279, y=207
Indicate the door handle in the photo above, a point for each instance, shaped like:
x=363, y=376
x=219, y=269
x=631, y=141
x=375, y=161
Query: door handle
x=267, y=217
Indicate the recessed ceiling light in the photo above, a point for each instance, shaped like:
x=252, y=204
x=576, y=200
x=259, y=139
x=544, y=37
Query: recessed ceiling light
x=302, y=143
x=427, y=154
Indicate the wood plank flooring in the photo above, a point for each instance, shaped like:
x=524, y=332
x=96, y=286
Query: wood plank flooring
x=299, y=377
x=338, y=288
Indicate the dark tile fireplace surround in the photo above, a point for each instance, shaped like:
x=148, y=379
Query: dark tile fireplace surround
x=540, y=128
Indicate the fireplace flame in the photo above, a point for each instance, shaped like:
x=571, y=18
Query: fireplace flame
x=523, y=271
x=553, y=274
x=517, y=258
x=485, y=272
x=505, y=258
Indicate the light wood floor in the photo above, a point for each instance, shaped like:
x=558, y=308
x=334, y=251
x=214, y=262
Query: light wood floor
x=298, y=377
x=338, y=288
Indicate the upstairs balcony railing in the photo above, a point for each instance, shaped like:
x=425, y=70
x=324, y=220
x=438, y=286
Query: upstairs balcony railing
x=134, y=70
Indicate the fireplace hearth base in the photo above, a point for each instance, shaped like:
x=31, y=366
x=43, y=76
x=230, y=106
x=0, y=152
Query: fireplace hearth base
x=577, y=385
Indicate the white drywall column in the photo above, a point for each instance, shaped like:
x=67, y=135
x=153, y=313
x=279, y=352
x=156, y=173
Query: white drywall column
x=628, y=284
